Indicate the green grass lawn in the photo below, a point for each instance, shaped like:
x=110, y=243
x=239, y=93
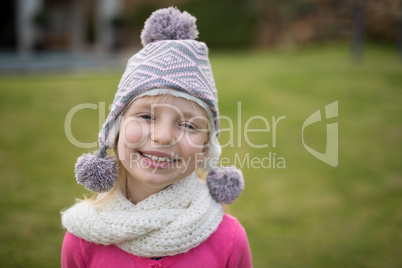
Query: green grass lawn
x=308, y=214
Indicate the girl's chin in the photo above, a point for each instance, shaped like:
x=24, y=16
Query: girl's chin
x=159, y=178
x=157, y=182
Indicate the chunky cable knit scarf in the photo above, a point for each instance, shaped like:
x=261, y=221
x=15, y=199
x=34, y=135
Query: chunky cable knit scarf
x=170, y=222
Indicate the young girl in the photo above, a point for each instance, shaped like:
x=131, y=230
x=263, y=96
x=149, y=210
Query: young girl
x=151, y=209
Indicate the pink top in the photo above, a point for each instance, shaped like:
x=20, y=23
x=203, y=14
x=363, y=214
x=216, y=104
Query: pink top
x=226, y=247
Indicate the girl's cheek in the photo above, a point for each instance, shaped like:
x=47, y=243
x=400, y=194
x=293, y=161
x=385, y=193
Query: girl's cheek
x=195, y=142
x=134, y=134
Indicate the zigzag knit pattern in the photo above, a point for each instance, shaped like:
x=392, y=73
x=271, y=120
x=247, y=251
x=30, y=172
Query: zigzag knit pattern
x=170, y=222
x=180, y=65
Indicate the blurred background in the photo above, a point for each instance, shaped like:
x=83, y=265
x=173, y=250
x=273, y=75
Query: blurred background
x=105, y=26
x=276, y=58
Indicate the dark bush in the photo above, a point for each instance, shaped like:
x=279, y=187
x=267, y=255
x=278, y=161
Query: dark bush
x=224, y=23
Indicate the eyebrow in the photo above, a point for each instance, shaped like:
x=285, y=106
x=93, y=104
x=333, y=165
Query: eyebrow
x=147, y=105
x=192, y=114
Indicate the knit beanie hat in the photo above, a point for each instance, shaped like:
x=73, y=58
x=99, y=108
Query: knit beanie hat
x=172, y=63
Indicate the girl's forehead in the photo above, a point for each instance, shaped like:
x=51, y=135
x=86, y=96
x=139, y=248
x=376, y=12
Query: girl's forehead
x=167, y=101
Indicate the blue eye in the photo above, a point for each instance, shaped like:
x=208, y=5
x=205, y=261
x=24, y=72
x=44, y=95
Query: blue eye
x=145, y=116
x=189, y=126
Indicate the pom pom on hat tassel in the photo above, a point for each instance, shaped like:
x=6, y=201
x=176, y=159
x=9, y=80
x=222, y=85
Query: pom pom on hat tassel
x=97, y=173
x=225, y=184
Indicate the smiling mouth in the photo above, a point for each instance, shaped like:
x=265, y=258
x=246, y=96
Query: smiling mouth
x=158, y=158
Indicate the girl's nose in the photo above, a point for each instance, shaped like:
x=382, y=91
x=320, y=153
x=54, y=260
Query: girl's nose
x=163, y=134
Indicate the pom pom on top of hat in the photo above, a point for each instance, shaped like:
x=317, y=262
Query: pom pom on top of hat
x=225, y=184
x=169, y=24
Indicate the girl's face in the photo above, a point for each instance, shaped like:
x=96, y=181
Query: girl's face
x=161, y=141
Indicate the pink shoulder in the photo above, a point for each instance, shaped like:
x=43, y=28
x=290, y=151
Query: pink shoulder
x=70, y=242
x=72, y=253
x=230, y=220
x=240, y=254
x=231, y=226
x=70, y=238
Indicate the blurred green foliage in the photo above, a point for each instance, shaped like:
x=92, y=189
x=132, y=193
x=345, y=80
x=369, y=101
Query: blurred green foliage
x=136, y=18
x=307, y=215
x=225, y=23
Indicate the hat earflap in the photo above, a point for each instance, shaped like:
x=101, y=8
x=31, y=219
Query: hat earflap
x=225, y=184
x=97, y=172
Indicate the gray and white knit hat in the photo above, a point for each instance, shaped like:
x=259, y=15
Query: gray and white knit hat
x=173, y=63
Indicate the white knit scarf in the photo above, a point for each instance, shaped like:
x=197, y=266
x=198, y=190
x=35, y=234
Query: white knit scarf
x=167, y=223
